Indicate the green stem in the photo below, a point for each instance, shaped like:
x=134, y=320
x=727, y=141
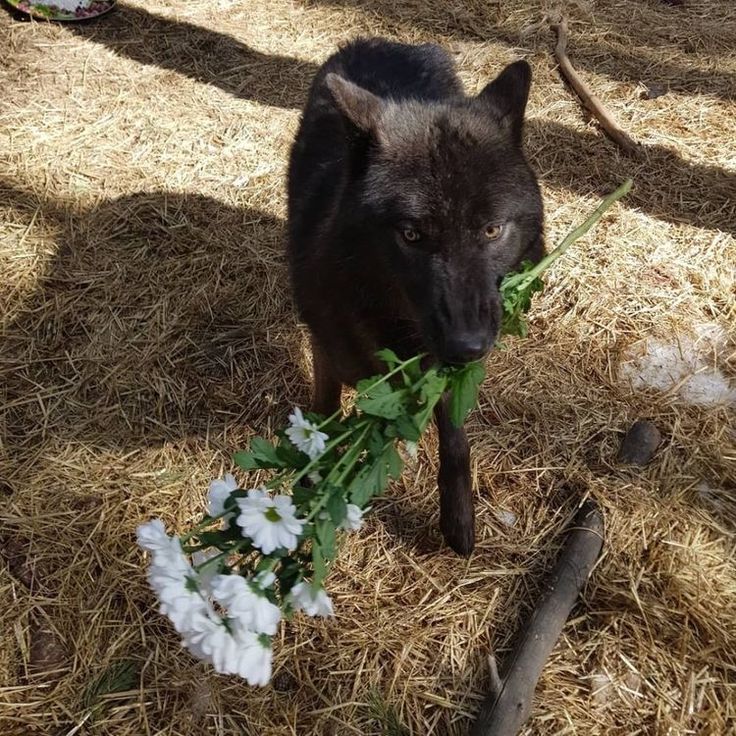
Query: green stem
x=202, y=525
x=572, y=236
x=348, y=460
x=382, y=379
x=341, y=437
x=312, y=463
x=232, y=550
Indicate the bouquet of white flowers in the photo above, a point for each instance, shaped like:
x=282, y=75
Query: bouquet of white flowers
x=260, y=554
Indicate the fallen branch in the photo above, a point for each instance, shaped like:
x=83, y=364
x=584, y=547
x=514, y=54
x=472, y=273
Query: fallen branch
x=591, y=102
x=509, y=704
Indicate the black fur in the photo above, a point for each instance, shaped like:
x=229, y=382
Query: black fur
x=390, y=148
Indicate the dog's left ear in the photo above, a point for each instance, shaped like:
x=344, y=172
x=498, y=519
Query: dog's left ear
x=507, y=95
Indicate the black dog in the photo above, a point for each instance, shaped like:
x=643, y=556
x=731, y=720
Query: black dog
x=408, y=203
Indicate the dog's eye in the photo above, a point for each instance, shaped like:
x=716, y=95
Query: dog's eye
x=411, y=235
x=493, y=231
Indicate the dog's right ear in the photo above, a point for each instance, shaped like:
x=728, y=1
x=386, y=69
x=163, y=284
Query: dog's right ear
x=361, y=107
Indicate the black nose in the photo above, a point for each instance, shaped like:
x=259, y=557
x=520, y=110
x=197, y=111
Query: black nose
x=465, y=347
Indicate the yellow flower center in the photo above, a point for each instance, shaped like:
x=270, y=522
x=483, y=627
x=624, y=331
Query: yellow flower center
x=272, y=515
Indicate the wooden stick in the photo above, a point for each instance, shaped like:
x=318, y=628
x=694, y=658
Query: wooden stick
x=591, y=102
x=509, y=703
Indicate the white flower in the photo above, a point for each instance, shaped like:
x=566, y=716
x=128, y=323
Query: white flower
x=171, y=576
x=165, y=551
x=152, y=536
x=230, y=646
x=180, y=598
x=231, y=652
x=208, y=639
x=270, y=522
x=264, y=580
x=411, y=449
x=252, y=658
x=219, y=492
x=246, y=603
x=205, y=576
x=354, y=519
x=314, y=601
x=305, y=435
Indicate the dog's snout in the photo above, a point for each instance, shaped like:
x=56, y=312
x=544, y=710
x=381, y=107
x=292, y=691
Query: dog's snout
x=466, y=347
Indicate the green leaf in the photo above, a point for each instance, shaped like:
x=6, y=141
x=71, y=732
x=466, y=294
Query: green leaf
x=464, y=386
x=389, y=357
x=516, y=295
x=288, y=575
x=303, y=496
x=370, y=481
x=216, y=539
x=262, y=454
x=336, y=507
x=433, y=386
x=375, y=442
x=289, y=456
x=407, y=429
x=393, y=460
x=231, y=502
x=325, y=529
x=381, y=400
x=318, y=561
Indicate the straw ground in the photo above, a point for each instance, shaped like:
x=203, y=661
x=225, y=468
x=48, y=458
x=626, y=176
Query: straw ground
x=146, y=332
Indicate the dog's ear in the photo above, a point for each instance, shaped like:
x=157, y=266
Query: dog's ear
x=507, y=96
x=361, y=107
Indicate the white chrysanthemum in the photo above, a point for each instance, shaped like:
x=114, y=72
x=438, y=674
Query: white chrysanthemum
x=270, y=522
x=314, y=601
x=252, y=658
x=165, y=551
x=305, y=435
x=152, y=536
x=230, y=649
x=208, y=639
x=229, y=646
x=171, y=576
x=179, y=595
x=205, y=576
x=246, y=603
x=354, y=519
x=219, y=492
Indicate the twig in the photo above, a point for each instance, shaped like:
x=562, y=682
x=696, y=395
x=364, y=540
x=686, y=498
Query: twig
x=509, y=704
x=594, y=105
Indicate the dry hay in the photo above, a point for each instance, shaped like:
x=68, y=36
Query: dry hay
x=147, y=332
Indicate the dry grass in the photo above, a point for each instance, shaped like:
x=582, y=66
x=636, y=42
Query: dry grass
x=147, y=332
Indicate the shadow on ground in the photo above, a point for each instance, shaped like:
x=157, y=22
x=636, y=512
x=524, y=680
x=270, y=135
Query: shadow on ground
x=628, y=53
x=201, y=54
x=160, y=317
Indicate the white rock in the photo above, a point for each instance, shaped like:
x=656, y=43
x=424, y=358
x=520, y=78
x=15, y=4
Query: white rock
x=687, y=365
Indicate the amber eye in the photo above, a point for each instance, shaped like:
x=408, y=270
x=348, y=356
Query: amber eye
x=410, y=235
x=493, y=232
